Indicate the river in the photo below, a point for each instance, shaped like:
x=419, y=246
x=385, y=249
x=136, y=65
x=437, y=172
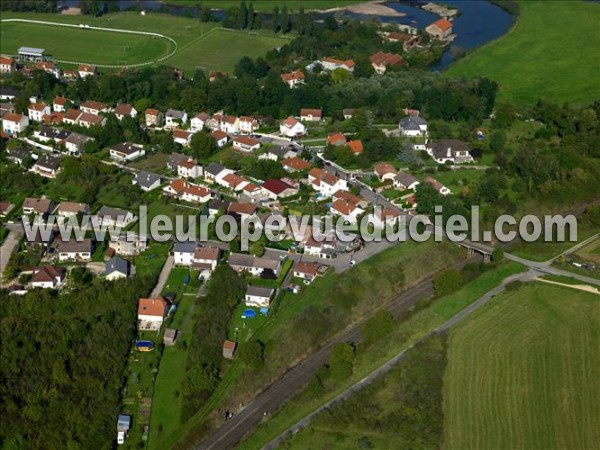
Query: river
x=480, y=21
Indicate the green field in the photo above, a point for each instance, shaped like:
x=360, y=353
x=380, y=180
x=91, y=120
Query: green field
x=551, y=53
x=198, y=44
x=523, y=373
x=83, y=46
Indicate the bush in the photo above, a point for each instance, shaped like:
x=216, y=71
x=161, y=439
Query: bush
x=447, y=282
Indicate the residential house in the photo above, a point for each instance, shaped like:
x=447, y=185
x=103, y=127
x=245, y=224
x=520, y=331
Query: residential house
x=307, y=271
x=6, y=107
x=242, y=210
x=59, y=104
x=75, y=142
x=88, y=120
x=385, y=171
x=7, y=64
x=41, y=206
x=215, y=171
x=229, y=124
x=311, y=115
x=54, y=118
x=198, y=122
x=295, y=164
x=18, y=154
x=293, y=79
x=147, y=181
x=278, y=152
x=73, y=250
x=47, y=277
x=333, y=63
x=47, y=166
x=325, y=183
x=257, y=266
x=409, y=41
x=346, y=210
x=404, y=181
x=7, y=93
x=291, y=128
x=183, y=253
x=72, y=116
x=154, y=118
x=151, y=313
x=381, y=61
x=14, y=124
x=247, y=124
x=246, y=144
x=355, y=146
x=182, y=137
x=326, y=249
x=384, y=217
x=85, y=70
x=220, y=138
x=189, y=168
x=276, y=189
x=6, y=208
x=37, y=111
x=49, y=67
x=233, y=181
x=441, y=29
x=126, y=151
x=93, y=107
x=229, y=349
x=114, y=217
x=258, y=297
x=205, y=261
x=128, y=244
x=174, y=160
x=174, y=118
x=413, y=126
x=348, y=113
x=187, y=191
x=116, y=268
x=217, y=206
x=72, y=209
x=449, y=150
x=443, y=190
x=336, y=138
x=123, y=110
x=350, y=198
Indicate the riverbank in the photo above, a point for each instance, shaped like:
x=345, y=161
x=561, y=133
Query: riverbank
x=376, y=8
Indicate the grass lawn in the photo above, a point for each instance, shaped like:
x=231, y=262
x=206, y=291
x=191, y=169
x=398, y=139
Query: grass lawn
x=522, y=372
x=455, y=179
x=156, y=162
x=268, y=5
x=220, y=49
x=149, y=262
x=551, y=53
x=74, y=44
x=590, y=252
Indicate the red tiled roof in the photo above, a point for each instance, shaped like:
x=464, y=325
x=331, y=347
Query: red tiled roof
x=123, y=109
x=296, y=75
x=12, y=117
x=229, y=345
x=356, y=146
x=241, y=208
x=233, y=180
x=91, y=104
x=295, y=163
x=309, y=268
x=91, y=118
x=349, y=63
x=37, y=106
x=72, y=114
x=289, y=122
x=46, y=274
x=311, y=112
x=87, y=68
x=152, y=112
x=343, y=207
x=398, y=36
x=5, y=60
x=181, y=134
x=152, y=306
x=386, y=59
x=60, y=101
x=218, y=135
x=384, y=168
x=210, y=253
x=332, y=138
x=275, y=186
x=347, y=196
x=246, y=140
x=442, y=24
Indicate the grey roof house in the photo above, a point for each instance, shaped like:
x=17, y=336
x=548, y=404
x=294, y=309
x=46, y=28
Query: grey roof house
x=146, y=180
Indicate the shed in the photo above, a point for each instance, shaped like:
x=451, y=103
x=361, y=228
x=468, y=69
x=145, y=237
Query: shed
x=170, y=337
x=229, y=349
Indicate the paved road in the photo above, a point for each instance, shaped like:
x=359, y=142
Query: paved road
x=162, y=278
x=11, y=241
x=388, y=365
x=283, y=389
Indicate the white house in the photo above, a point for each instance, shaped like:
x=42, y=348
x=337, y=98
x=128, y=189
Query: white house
x=116, y=268
x=182, y=137
x=47, y=277
x=413, y=126
x=311, y=115
x=383, y=217
x=175, y=118
x=7, y=64
x=60, y=104
x=72, y=209
x=220, y=137
x=74, y=250
x=114, y=217
x=229, y=124
x=404, y=181
x=333, y=63
x=253, y=264
x=246, y=144
x=449, y=150
x=326, y=183
x=307, y=271
x=151, y=313
x=187, y=191
x=189, y=169
x=93, y=107
x=346, y=210
x=205, y=260
x=275, y=189
x=385, y=171
x=85, y=70
x=123, y=110
x=258, y=297
x=37, y=111
x=126, y=151
x=325, y=249
x=247, y=124
x=147, y=181
x=128, y=245
x=443, y=190
x=154, y=118
x=75, y=142
x=290, y=127
x=47, y=166
x=198, y=122
x=183, y=253
x=293, y=79
x=14, y=124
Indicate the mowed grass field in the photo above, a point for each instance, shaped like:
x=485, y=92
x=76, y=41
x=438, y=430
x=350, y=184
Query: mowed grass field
x=268, y=5
x=198, y=44
x=81, y=45
x=523, y=373
x=552, y=53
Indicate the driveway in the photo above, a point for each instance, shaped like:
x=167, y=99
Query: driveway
x=10, y=243
x=163, y=277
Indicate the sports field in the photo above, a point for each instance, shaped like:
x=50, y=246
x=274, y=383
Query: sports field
x=198, y=44
x=83, y=45
x=523, y=373
x=551, y=53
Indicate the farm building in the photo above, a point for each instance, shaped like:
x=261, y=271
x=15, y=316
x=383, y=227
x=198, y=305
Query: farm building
x=31, y=54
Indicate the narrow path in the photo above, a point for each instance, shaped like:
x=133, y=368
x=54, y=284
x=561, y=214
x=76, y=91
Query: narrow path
x=163, y=277
x=11, y=241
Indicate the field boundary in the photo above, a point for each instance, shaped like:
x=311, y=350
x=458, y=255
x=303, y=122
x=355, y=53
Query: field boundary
x=116, y=30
